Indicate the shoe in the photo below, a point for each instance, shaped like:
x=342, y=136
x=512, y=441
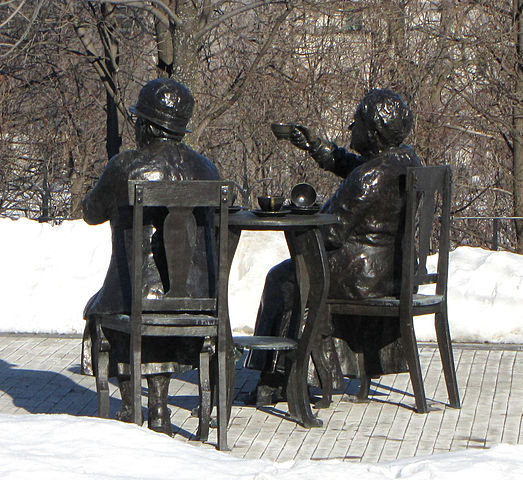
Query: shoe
x=126, y=410
x=267, y=395
x=125, y=414
x=159, y=420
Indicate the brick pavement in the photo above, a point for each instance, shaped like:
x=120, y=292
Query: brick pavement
x=40, y=374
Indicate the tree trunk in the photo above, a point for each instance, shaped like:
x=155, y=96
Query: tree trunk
x=518, y=128
x=177, y=50
x=442, y=63
x=105, y=63
x=111, y=50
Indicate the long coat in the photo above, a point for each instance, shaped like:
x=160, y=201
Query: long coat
x=363, y=251
x=108, y=200
x=364, y=248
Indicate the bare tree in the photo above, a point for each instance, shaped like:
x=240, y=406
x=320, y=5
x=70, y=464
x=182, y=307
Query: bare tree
x=17, y=25
x=47, y=121
x=517, y=136
x=249, y=62
x=185, y=34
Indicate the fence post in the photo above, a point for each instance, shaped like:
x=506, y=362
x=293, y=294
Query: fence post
x=495, y=226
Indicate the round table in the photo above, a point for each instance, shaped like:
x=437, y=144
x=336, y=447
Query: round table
x=302, y=233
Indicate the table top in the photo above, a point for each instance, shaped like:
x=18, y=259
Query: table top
x=247, y=220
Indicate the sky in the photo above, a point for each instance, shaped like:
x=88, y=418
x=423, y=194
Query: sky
x=59, y=268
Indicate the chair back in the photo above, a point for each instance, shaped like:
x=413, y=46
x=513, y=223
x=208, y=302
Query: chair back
x=186, y=203
x=427, y=219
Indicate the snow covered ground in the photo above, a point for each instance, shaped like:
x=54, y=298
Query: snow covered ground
x=60, y=447
x=48, y=273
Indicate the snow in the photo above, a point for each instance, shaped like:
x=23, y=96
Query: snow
x=50, y=272
x=63, y=447
x=68, y=262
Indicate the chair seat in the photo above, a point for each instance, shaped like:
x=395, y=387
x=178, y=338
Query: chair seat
x=385, y=306
x=417, y=300
x=265, y=343
x=164, y=324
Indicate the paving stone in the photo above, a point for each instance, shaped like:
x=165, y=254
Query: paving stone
x=40, y=374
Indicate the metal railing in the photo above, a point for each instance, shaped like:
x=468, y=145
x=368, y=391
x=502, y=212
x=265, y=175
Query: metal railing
x=495, y=226
x=494, y=240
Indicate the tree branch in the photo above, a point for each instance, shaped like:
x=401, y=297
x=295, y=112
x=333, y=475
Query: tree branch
x=36, y=11
x=470, y=132
x=97, y=60
x=470, y=202
x=10, y=17
x=236, y=87
x=158, y=7
x=214, y=23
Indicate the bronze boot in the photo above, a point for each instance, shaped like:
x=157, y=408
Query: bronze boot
x=159, y=416
x=126, y=411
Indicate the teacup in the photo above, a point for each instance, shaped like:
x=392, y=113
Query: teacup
x=270, y=203
x=282, y=130
x=303, y=195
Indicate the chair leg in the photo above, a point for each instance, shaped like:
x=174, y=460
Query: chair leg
x=223, y=387
x=363, y=392
x=204, y=387
x=411, y=352
x=102, y=372
x=447, y=357
x=136, y=377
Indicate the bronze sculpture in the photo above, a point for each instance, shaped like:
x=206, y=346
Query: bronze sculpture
x=163, y=110
x=363, y=248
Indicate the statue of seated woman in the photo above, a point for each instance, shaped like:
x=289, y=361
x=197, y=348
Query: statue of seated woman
x=364, y=248
x=163, y=110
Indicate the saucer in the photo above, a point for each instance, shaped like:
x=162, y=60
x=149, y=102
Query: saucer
x=263, y=213
x=305, y=210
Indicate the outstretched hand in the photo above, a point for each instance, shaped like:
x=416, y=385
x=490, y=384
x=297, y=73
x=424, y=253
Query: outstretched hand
x=302, y=138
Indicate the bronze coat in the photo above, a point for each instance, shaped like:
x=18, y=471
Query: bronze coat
x=108, y=200
x=364, y=248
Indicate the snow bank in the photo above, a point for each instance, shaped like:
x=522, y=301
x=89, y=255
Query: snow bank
x=63, y=447
x=49, y=273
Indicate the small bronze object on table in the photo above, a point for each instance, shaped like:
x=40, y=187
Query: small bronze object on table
x=303, y=195
x=303, y=198
x=271, y=203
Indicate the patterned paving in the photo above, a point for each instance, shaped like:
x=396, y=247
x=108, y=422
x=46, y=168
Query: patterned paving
x=40, y=374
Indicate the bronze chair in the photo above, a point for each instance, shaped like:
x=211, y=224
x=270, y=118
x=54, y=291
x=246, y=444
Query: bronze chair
x=171, y=314
x=428, y=196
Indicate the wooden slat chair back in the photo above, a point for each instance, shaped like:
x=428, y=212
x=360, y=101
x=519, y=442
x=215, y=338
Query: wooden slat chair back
x=426, y=231
x=174, y=313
